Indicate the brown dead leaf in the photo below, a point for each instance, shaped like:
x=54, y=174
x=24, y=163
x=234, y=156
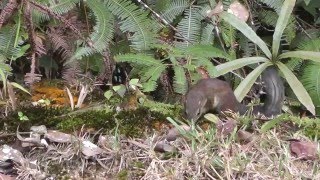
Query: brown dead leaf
x=60, y=137
x=244, y=136
x=174, y=132
x=162, y=146
x=304, y=149
x=239, y=10
x=225, y=128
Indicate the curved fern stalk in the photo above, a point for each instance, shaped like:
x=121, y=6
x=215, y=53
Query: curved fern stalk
x=133, y=20
x=189, y=28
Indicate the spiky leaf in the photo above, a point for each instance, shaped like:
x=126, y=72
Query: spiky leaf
x=297, y=87
x=245, y=86
x=282, y=22
x=247, y=31
x=315, y=56
x=238, y=63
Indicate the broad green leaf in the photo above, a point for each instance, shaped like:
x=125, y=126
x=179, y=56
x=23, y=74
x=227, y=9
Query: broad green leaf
x=282, y=22
x=238, y=63
x=134, y=82
x=315, y=56
x=245, y=86
x=247, y=31
x=297, y=87
x=108, y=94
x=120, y=89
x=16, y=85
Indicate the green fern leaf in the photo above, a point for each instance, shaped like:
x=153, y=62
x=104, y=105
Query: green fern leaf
x=7, y=43
x=189, y=28
x=80, y=53
x=134, y=20
x=311, y=81
x=207, y=34
x=140, y=59
x=274, y=4
x=180, y=80
x=228, y=33
x=103, y=30
x=270, y=18
x=174, y=9
x=206, y=51
x=5, y=68
x=59, y=7
x=149, y=79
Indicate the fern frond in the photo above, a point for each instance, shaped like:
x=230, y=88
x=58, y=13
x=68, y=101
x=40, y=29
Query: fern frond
x=140, y=59
x=274, y=4
x=174, y=9
x=205, y=51
x=134, y=20
x=60, y=44
x=5, y=68
x=180, y=81
x=189, y=28
x=80, y=53
x=305, y=45
x=311, y=81
x=207, y=34
x=59, y=7
x=103, y=30
x=7, y=43
x=310, y=45
x=228, y=33
x=270, y=18
x=150, y=77
x=248, y=48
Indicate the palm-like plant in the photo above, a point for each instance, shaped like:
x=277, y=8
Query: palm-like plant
x=272, y=57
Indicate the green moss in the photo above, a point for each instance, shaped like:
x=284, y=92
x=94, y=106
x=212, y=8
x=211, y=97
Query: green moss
x=132, y=123
x=122, y=175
